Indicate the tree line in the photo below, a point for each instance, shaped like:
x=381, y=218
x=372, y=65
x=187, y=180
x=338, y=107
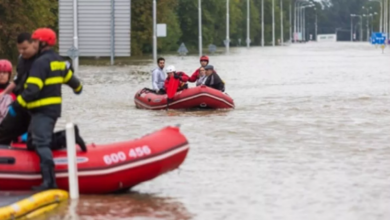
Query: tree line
x=181, y=17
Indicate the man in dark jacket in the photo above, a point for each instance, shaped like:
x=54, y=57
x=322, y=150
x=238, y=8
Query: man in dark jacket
x=42, y=98
x=12, y=127
x=213, y=80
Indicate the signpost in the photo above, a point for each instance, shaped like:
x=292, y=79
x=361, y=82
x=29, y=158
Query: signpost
x=212, y=48
x=73, y=53
x=161, y=30
x=378, y=38
x=182, y=50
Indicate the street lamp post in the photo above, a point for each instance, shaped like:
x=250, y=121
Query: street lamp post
x=281, y=23
x=380, y=14
x=227, y=26
x=154, y=32
x=200, y=27
x=247, y=25
x=352, y=15
x=290, y=23
x=316, y=26
x=273, y=22
x=304, y=20
x=296, y=21
x=361, y=26
x=262, y=23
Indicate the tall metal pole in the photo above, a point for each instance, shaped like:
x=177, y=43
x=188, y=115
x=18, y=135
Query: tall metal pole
x=247, y=25
x=154, y=32
x=385, y=12
x=273, y=22
x=386, y=27
x=386, y=18
x=200, y=27
x=295, y=22
x=290, y=22
x=351, y=28
x=368, y=30
x=380, y=14
x=301, y=24
x=281, y=23
x=112, y=31
x=316, y=24
x=262, y=23
x=304, y=24
x=227, y=26
x=381, y=18
x=75, y=35
x=361, y=28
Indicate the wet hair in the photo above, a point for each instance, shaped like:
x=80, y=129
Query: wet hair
x=22, y=37
x=159, y=59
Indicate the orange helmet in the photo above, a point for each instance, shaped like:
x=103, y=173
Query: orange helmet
x=46, y=35
x=204, y=58
x=5, y=66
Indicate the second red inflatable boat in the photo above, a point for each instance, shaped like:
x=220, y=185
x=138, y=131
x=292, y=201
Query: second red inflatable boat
x=196, y=97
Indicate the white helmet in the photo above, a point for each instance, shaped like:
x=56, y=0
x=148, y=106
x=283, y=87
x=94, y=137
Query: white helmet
x=170, y=69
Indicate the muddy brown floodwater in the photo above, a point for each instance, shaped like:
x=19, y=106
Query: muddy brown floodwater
x=309, y=138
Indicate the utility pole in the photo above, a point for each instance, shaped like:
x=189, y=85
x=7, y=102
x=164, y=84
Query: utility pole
x=281, y=23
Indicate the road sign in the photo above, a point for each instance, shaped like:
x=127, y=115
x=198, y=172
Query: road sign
x=182, y=49
x=73, y=53
x=224, y=42
x=212, y=48
x=161, y=30
x=378, y=38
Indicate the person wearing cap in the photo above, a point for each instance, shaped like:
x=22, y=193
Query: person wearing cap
x=42, y=99
x=204, y=61
x=171, y=71
x=213, y=80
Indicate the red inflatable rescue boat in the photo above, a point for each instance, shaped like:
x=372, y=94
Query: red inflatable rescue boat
x=196, y=97
x=103, y=168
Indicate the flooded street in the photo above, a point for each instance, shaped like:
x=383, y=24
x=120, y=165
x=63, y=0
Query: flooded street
x=309, y=138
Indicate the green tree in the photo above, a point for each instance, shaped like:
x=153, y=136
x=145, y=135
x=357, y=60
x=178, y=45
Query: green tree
x=23, y=15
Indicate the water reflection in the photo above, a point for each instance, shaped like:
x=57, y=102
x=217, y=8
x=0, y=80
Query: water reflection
x=134, y=205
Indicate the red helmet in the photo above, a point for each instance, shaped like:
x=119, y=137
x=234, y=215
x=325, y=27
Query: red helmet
x=5, y=66
x=204, y=58
x=46, y=35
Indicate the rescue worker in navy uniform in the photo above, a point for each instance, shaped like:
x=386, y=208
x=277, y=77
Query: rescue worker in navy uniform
x=42, y=98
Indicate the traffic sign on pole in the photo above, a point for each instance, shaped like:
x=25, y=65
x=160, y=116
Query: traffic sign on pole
x=378, y=38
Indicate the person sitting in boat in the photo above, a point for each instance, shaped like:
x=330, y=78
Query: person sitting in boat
x=5, y=99
x=202, y=76
x=204, y=61
x=213, y=80
x=171, y=71
x=158, y=76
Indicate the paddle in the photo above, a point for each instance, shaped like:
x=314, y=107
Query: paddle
x=173, y=84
